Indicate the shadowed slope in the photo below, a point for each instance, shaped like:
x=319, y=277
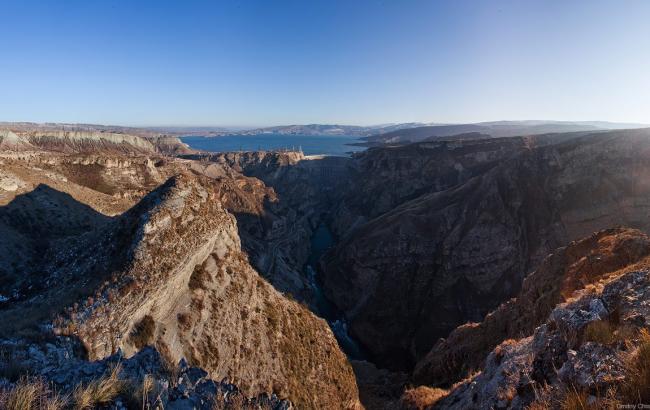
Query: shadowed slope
x=33, y=224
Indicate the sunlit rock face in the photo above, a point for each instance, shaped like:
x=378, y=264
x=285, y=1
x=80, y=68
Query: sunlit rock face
x=122, y=255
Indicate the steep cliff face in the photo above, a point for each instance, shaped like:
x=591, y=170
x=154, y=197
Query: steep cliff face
x=455, y=251
x=88, y=141
x=383, y=178
x=600, y=181
x=441, y=259
x=167, y=145
x=276, y=233
x=576, y=266
x=170, y=272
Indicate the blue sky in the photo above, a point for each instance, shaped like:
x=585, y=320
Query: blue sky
x=270, y=62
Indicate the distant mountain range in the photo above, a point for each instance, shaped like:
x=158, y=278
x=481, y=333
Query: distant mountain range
x=414, y=131
x=493, y=129
x=394, y=133
x=326, y=129
x=139, y=131
x=309, y=129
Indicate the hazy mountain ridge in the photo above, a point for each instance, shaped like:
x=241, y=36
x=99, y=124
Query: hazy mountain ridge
x=323, y=129
x=495, y=129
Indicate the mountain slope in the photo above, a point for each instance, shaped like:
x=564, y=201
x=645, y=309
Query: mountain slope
x=170, y=272
x=590, y=349
x=567, y=269
x=9, y=141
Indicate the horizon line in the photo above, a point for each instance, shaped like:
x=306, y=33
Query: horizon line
x=254, y=127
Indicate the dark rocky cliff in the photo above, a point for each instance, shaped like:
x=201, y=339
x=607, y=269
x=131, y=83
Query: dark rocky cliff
x=443, y=247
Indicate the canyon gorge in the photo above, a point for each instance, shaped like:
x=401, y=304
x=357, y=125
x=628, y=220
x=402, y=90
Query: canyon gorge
x=464, y=271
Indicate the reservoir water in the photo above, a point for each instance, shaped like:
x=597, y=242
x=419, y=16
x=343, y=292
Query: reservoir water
x=321, y=240
x=310, y=144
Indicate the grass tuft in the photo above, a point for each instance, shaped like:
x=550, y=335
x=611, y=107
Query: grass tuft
x=31, y=394
x=575, y=400
x=636, y=387
x=600, y=331
x=97, y=392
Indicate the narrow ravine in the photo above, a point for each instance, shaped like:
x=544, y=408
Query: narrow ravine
x=321, y=240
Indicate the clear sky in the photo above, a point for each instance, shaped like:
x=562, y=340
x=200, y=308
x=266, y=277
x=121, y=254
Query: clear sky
x=270, y=62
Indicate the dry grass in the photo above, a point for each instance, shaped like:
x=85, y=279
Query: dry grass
x=575, y=400
x=607, y=333
x=420, y=398
x=600, y=331
x=31, y=394
x=143, y=395
x=539, y=405
x=636, y=388
x=99, y=391
x=542, y=398
x=579, y=399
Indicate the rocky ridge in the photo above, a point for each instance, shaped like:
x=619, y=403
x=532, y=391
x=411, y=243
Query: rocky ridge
x=276, y=233
x=143, y=380
x=88, y=141
x=170, y=264
x=590, y=350
x=159, y=272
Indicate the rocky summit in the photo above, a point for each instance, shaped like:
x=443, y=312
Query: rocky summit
x=462, y=271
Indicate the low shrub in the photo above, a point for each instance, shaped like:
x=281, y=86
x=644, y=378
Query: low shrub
x=143, y=332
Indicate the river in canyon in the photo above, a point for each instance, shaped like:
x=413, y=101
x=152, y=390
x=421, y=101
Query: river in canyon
x=321, y=240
